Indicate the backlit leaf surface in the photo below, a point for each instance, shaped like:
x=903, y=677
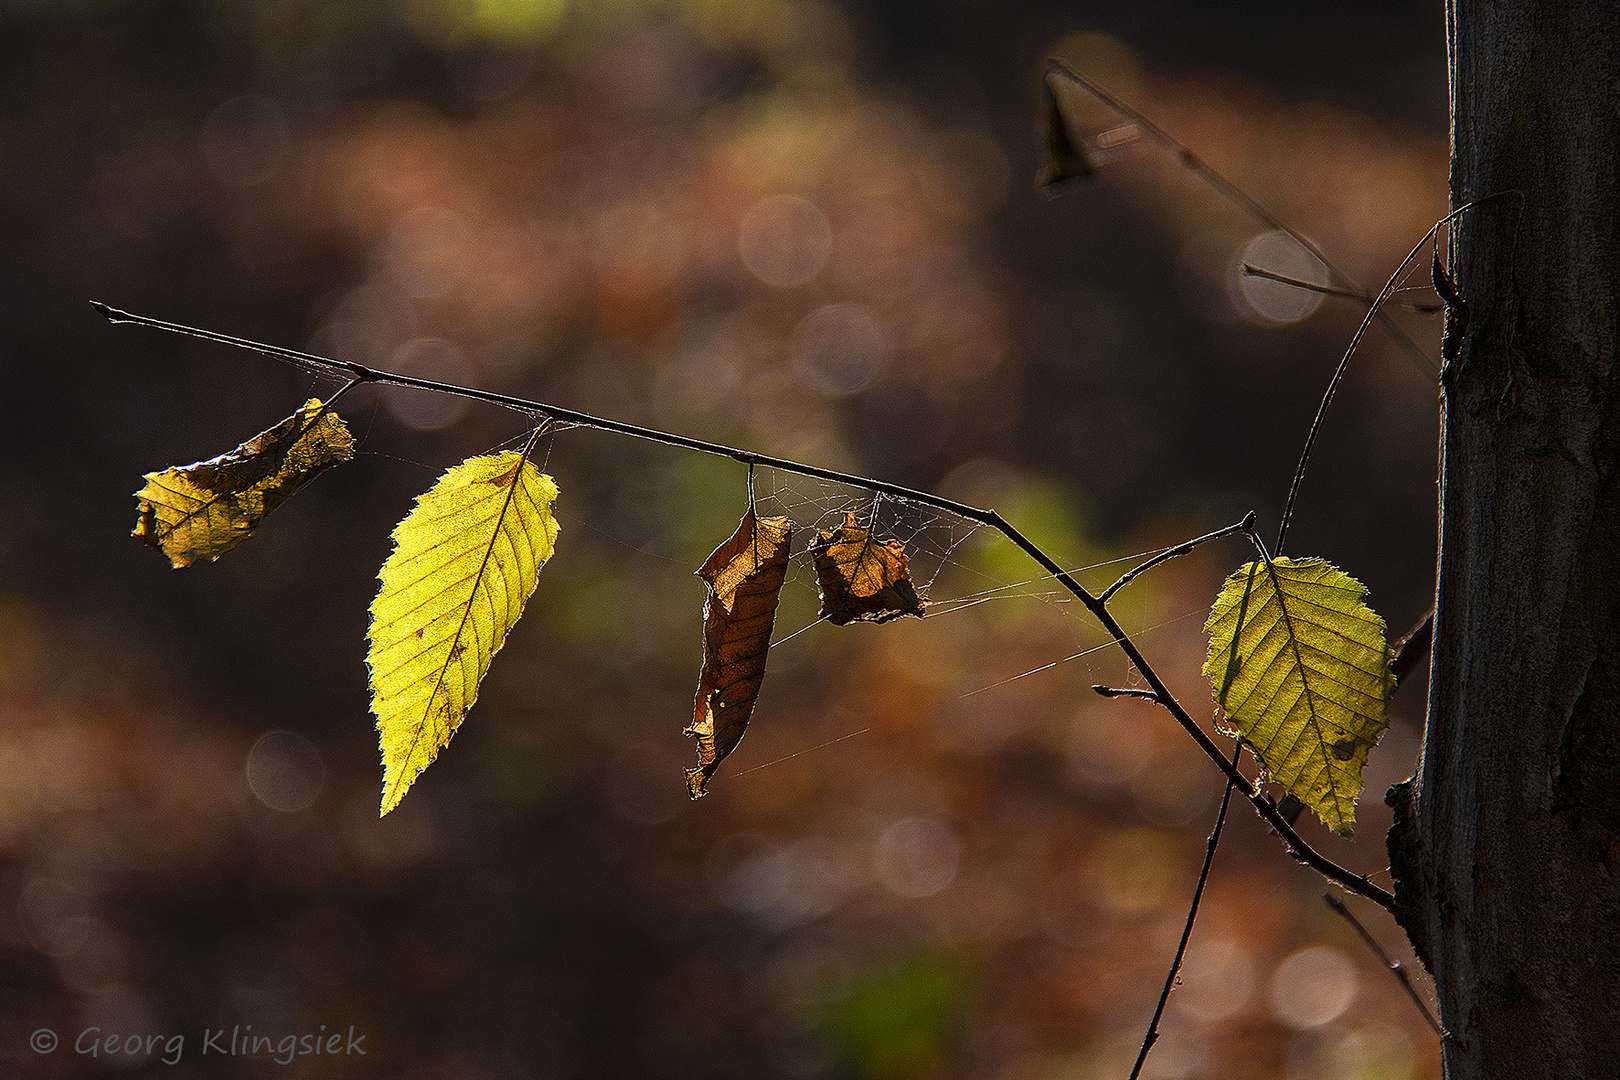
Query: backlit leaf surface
x=201, y=511
x=465, y=560
x=1300, y=669
x=745, y=576
x=861, y=578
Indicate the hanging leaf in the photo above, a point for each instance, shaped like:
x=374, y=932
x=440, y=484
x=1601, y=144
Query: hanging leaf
x=745, y=576
x=860, y=578
x=1301, y=671
x=465, y=560
x=201, y=511
x=1066, y=162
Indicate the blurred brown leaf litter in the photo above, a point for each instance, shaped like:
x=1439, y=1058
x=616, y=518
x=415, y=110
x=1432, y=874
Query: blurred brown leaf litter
x=801, y=227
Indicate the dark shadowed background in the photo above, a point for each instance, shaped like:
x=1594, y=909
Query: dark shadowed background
x=806, y=228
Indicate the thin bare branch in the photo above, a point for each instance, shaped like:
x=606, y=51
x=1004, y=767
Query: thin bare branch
x=1394, y=966
x=1152, y=1035
x=1328, y=290
x=1125, y=691
x=1130, y=575
x=1412, y=649
x=1344, y=363
x=1297, y=847
x=1240, y=198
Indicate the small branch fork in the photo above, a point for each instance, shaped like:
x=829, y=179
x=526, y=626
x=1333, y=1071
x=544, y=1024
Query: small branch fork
x=1241, y=199
x=1328, y=290
x=1094, y=603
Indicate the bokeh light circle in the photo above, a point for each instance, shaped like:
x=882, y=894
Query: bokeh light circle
x=285, y=771
x=917, y=857
x=1275, y=301
x=839, y=349
x=1313, y=987
x=784, y=240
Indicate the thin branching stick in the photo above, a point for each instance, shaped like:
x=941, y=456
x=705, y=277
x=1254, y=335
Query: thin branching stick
x=1240, y=198
x=1263, y=804
x=1344, y=362
x=1152, y=1035
x=1134, y=572
x=1395, y=967
x=1328, y=290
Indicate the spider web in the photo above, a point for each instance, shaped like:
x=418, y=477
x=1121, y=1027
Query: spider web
x=942, y=550
x=929, y=535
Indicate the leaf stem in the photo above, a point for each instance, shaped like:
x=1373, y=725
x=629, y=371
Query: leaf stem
x=1297, y=847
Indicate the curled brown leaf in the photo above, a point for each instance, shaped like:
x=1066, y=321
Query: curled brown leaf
x=862, y=579
x=201, y=511
x=745, y=576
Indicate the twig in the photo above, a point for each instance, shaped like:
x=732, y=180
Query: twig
x=1328, y=290
x=1152, y=1035
x=1412, y=649
x=1394, y=966
x=1239, y=198
x=1180, y=549
x=1125, y=691
x=1344, y=363
x=1297, y=847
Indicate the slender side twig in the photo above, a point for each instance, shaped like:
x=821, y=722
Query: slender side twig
x=1395, y=967
x=1297, y=847
x=1328, y=290
x=1238, y=197
x=1344, y=363
x=1412, y=649
x=1152, y=1035
x=1180, y=549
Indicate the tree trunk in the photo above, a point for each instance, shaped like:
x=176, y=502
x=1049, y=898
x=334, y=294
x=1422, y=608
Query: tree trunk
x=1506, y=844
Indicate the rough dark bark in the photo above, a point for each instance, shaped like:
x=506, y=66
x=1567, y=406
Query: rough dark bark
x=1506, y=845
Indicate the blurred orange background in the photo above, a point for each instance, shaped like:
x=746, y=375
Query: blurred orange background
x=801, y=227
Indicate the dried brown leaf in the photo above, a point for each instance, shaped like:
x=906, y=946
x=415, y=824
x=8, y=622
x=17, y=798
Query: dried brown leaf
x=1066, y=162
x=745, y=576
x=860, y=578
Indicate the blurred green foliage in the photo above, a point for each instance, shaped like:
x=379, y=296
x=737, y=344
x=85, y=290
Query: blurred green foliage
x=901, y=1019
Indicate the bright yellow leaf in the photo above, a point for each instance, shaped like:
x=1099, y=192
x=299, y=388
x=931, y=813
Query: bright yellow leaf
x=465, y=561
x=201, y=511
x=1300, y=669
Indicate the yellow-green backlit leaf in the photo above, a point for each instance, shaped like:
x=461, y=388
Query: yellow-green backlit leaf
x=1300, y=669
x=465, y=560
x=201, y=511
